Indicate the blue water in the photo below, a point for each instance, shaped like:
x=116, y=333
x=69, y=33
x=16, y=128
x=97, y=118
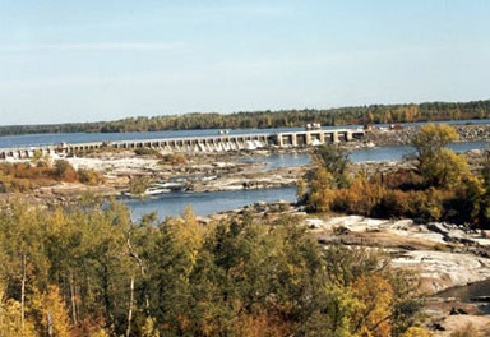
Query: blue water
x=464, y=147
x=282, y=160
x=392, y=153
x=204, y=203
x=51, y=139
x=386, y=153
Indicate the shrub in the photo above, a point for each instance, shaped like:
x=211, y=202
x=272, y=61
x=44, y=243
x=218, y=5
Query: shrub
x=144, y=151
x=174, y=159
x=90, y=177
x=138, y=185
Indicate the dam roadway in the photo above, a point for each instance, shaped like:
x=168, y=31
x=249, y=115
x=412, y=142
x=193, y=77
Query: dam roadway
x=216, y=143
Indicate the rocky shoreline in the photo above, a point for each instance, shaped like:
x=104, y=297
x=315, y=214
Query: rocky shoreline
x=466, y=132
x=201, y=173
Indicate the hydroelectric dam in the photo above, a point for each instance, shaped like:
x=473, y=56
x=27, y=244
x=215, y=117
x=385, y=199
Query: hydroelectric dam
x=215, y=143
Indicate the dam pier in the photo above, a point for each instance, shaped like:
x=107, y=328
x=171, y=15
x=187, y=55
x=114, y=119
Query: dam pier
x=216, y=143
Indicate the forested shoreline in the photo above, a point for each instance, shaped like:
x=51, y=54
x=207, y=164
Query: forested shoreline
x=398, y=113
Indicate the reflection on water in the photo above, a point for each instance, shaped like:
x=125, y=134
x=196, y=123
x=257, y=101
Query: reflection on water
x=203, y=203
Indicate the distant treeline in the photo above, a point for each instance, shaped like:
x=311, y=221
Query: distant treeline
x=400, y=113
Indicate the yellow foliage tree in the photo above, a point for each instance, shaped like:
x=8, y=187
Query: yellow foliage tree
x=49, y=306
x=439, y=166
x=445, y=168
x=371, y=318
x=188, y=234
x=11, y=320
x=417, y=332
x=322, y=194
x=149, y=329
x=264, y=325
x=432, y=138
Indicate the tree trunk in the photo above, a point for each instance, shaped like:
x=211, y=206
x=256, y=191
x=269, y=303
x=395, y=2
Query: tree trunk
x=128, y=332
x=24, y=277
x=49, y=325
x=134, y=255
x=72, y=298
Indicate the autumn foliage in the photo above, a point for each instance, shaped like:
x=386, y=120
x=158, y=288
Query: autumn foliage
x=23, y=177
x=71, y=272
x=442, y=188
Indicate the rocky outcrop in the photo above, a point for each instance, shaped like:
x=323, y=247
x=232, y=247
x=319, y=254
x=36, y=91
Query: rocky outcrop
x=440, y=270
x=443, y=255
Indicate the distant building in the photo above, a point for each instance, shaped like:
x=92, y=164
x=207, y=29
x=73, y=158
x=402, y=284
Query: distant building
x=369, y=127
x=313, y=126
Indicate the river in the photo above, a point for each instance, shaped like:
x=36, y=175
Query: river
x=385, y=153
x=293, y=159
x=391, y=153
x=204, y=203
x=173, y=204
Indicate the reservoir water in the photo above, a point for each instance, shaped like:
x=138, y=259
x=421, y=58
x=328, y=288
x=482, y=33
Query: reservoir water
x=56, y=138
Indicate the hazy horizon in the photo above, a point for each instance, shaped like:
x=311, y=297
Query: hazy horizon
x=69, y=62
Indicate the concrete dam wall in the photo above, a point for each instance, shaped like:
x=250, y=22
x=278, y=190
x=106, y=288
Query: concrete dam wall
x=218, y=143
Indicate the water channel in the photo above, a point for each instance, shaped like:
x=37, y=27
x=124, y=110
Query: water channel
x=204, y=203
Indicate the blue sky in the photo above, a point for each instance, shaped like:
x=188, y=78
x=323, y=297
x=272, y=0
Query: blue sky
x=77, y=61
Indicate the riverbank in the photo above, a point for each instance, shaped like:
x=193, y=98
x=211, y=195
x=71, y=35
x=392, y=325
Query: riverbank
x=402, y=137
x=193, y=173
x=231, y=171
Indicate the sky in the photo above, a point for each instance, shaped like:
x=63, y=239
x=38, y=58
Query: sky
x=78, y=61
